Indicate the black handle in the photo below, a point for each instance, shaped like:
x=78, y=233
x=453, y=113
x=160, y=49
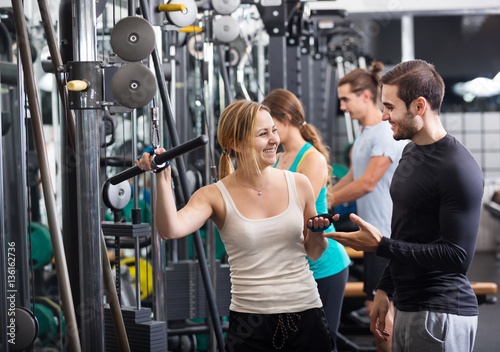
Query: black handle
x=170, y=154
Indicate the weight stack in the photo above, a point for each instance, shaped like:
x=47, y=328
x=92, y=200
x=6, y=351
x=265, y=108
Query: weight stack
x=186, y=296
x=144, y=334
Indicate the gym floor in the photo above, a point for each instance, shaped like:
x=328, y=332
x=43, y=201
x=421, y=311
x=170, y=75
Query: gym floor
x=486, y=268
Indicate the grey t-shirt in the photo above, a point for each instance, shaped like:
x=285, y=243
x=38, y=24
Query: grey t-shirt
x=376, y=206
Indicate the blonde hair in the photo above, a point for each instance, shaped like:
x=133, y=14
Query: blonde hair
x=236, y=127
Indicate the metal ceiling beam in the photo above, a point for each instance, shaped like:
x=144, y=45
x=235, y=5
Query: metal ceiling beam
x=360, y=8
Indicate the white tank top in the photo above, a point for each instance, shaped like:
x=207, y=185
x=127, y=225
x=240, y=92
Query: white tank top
x=268, y=265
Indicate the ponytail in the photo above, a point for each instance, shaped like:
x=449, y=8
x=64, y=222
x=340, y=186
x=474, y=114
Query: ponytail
x=311, y=135
x=225, y=164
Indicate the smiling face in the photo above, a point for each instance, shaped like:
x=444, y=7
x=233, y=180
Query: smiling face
x=405, y=124
x=260, y=148
x=266, y=139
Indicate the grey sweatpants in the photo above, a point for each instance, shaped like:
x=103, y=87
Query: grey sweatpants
x=433, y=332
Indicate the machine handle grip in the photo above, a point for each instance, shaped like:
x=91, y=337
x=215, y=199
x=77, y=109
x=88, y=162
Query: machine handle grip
x=168, y=155
x=77, y=85
x=171, y=7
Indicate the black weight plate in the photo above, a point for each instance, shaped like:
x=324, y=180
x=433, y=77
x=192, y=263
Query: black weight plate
x=133, y=85
x=133, y=38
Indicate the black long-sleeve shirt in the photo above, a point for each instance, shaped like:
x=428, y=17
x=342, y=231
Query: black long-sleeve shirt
x=436, y=191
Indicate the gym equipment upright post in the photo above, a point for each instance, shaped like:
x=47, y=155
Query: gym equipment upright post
x=87, y=182
x=3, y=283
x=71, y=129
x=36, y=118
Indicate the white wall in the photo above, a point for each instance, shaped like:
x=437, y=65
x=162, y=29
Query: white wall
x=489, y=227
x=480, y=133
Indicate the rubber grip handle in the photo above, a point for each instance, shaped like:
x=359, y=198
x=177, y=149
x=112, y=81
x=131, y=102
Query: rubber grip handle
x=190, y=29
x=320, y=229
x=77, y=85
x=171, y=7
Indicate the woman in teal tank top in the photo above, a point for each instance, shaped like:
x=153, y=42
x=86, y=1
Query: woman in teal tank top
x=304, y=152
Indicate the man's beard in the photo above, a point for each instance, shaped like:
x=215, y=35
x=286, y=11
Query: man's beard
x=406, y=129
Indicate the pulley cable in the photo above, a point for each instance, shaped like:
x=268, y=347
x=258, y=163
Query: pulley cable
x=204, y=115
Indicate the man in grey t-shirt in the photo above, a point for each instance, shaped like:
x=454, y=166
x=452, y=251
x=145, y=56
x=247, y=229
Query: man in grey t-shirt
x=375, y=156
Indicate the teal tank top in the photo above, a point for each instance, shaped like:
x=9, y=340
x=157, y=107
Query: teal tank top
x=335, y=258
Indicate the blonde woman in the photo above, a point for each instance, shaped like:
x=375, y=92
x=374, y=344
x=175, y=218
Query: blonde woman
x=267, y=220
x=304, y=152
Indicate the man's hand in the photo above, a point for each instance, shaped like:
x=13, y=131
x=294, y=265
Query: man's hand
x=378, y=316
x=366, y=239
